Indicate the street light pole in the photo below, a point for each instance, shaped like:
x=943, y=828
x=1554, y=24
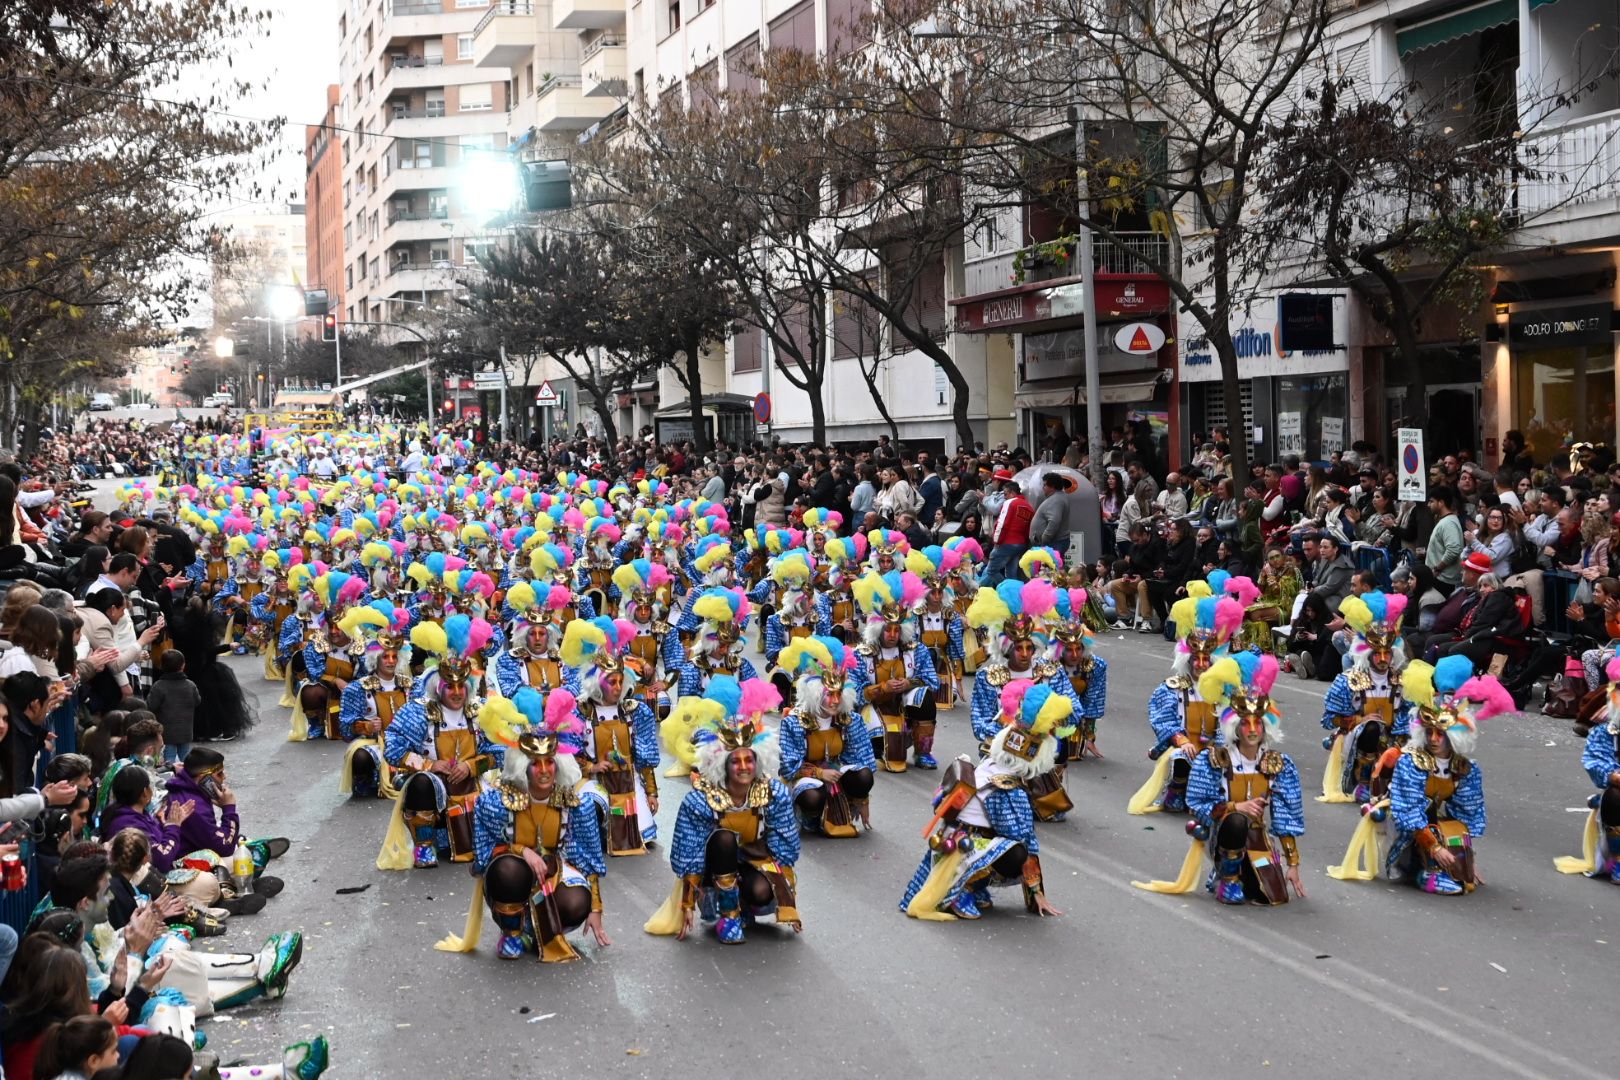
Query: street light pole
x=1088, y=307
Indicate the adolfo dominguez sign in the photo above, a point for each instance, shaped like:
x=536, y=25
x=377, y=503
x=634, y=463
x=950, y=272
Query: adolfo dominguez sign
x=1557, y=328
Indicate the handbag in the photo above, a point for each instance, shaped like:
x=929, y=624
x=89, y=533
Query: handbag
x=1564, y=697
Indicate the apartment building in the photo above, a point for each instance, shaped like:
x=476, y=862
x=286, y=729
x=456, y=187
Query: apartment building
x=323, y=204
x=420, y=119
x=268, y=250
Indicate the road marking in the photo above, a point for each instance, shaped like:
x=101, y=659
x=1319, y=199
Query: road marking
x=1118, y=876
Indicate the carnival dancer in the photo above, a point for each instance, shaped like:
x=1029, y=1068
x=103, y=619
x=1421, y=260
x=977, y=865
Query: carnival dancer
x=295, y=631
x=276, y=602
x=964, y=585
x=532, y=657
x=596, y=566
x=437, y=751
x=983, y=831
x=1018, y=615
x=939, y=624
x=372, y=700
x=886, y=551
x=837, y=614
x=1185, y=723
x=640, y=583
x=1435, y=807
x=895, y=681
x=331, y=656
x=794, y=618
x=1244, y=794
x=621, y=744
x=1601, y=760
x=1365, y=713
x=551, y=562
x=736, y=836
x=538, y=845
x=721, y=618
x=826, y=750
x=244, y=633
x=1073, y=650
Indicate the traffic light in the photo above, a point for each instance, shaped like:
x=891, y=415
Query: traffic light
x=329, y=328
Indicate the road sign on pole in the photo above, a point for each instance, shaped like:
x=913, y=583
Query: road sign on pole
x=489, y=380
x=1413, y=481
x=547, y=396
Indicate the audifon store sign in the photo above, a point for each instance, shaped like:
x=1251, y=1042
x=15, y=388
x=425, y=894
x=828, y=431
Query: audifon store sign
x=1258, y=347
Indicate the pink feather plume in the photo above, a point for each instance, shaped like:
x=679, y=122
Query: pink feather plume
x=1228, y=615
x=949, y=560
x=1394, y=607
x=352, y=590
x=1613, y=670
x=758, y=696
x=1012, y=695
x=658, y=575
x=561, y=719
x=481, y=584
x=1039, y=596
x=970, y=547
x=1493, y=698
x=446, y=523
x=573, y=519
x=1243, y=590
x=624, y=631
x=1077, y=602
x=478, y=634
x=1265, y=675
x=912, y=589
x=452, y=563
x=744, y=608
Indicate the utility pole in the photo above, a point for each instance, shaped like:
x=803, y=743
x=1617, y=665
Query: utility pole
x=1088, y=308
x=503, y=390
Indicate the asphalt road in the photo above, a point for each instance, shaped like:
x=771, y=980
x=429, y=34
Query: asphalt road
x=1511, y=981
x=1514, y=980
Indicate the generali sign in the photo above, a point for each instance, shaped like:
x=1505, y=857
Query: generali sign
x=1015, y=310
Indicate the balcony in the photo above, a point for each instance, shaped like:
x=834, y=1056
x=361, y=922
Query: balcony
x=604, y=69
x=1110, y=258
x=419, y=278
x=1576, y=169
x=506, y=35
x=436, y=177
x=561, y=105
x=412, y=73
x=587, y=14
x=411, y=226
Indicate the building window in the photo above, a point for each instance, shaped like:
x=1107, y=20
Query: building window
x=464, y=46
x=795, y=30
x=746, y=348
x=476, y=97
x=472, y=3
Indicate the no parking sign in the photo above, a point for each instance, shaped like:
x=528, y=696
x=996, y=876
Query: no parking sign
x=1413, y=485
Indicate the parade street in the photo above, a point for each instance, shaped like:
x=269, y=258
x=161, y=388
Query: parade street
x=1358, y=979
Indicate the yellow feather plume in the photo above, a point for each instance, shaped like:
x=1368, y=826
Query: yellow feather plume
x=300, y=576
x=420, y=574
x=714, y=608
x=987, y=609
x=521, y=596
x=1417, y=683
x=1057, y=708
x=1217, y=683
x=1184, y=613
x=359, y=616
x=1199, y=589
x=1356, y=613
x=580, y=641
x=430, y=637
x=541, y=563
x=626, y=578
x=794, y=651
x=501, y=721
x=871, y=592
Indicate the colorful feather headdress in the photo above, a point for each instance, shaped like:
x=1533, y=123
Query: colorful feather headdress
x=1017, y=610
x=457, y=644
x=1031, y=711
x=888, y=598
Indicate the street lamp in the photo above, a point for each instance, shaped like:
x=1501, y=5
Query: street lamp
x=489, y=187
x=224, y=347
x=283, y=302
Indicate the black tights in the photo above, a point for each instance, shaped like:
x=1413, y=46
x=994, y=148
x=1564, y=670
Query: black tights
x=1370, y=741
x=723, y=855
x=1609, y=807
x=1011, y=863
x=419, y=795
x=1180, y=769
x=1233, y=834
x=857, y=784
x=363, y=768
x=510, y=881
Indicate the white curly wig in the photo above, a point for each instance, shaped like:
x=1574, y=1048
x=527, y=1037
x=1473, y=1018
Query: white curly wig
x=712, y=755
x=1024, y=769
x=515, y=770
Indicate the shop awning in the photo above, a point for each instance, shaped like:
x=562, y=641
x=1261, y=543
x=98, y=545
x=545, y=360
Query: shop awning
x=1455, y=24
x=720, y=402
x=1121, y=388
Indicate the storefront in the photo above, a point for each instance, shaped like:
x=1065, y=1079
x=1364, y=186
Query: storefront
x=1294, y=403
x=1562, y=375
x=1050, y=394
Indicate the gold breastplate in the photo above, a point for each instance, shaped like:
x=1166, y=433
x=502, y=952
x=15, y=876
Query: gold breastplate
x=612, y=737
x=1241, y=787
x=644, y=647
x=823, y=745
x=744, y=822
x=543, y=674
x=538, y=827
x=1201, y=722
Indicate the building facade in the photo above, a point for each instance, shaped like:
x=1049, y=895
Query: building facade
x=422, y=125
x=323, y=203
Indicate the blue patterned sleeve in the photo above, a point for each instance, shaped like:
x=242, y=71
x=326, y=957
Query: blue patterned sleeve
x=570, y=680
x=790, y=737
x=1599, y=759
x=954, y=630
x=1467, y=803
x=984, y=710
x=823, y=614
x=775, y=639
x=486, y=745
x=314, y=662
x=923, y=668
x=259, y=606
x=1408, y=803
x=746, y=670
x=1095, y=700
x=1340, y=701
x=227, y=590
x=620, y=548
x=292, y=637
x=1164, y=713
x=782, y=825
x=585, y=848
x=1011, y=816
x=1062, y=684
x=585, y=607
x=406, y=734
x=694, y=822
x=1206, y=789
x=761, y=593
x=351, y=708
x=490, y=820
x=197, y=572
x=858, y=752
x=1287, y=802
x=670, y=651
x=508, y=676
x=859, y=678
x=644, y=733
x=690, y=681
